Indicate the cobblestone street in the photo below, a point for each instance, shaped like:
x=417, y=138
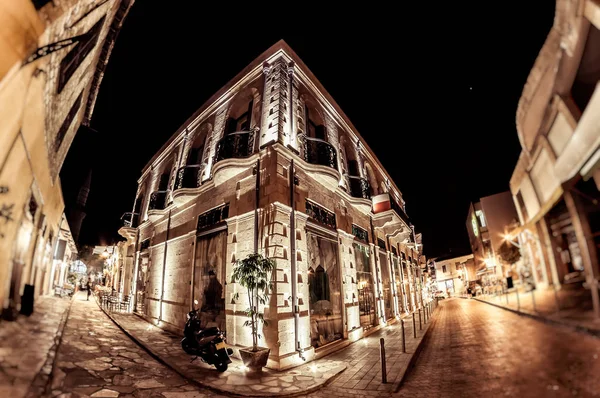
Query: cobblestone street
x=477, y=350
x=472, y=350
x=96, y=359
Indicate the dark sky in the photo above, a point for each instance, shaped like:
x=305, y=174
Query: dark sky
x=432, y=90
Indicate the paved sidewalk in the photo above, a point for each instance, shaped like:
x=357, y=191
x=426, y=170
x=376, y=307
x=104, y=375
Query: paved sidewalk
x=28, y=346
x=361, y=362
x=570, y=308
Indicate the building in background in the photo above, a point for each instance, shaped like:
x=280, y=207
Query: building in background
x=271, y=164
x=488, y=222
x=453, y=275
x=52, y=63
x=556, y=180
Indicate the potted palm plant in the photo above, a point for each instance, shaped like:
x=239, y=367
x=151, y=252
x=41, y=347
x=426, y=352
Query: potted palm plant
x=254, y=274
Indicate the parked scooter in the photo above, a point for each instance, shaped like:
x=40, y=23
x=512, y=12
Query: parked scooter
x=208, y=344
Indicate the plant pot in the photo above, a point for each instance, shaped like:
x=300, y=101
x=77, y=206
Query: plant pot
x=255, y=360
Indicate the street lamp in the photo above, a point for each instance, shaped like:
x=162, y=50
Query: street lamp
x=105, y=253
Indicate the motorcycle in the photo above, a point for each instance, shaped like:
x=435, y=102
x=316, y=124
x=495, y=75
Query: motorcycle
x=207, y=344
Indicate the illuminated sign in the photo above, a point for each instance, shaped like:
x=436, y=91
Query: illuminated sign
x=475, y=227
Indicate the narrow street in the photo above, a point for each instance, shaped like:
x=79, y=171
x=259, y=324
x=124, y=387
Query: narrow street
x=476, y=349
x=97, y=359
x=472, y=350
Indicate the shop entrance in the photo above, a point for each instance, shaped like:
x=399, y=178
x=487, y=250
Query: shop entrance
x=324, y=285
x=366, y=288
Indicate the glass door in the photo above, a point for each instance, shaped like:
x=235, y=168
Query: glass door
x=386, y=281
x=209, y=277
x=366, y=287
x=324, y=285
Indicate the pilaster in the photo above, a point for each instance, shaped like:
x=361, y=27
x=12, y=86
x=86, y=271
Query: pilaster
x=352, y=329
x=275, y=126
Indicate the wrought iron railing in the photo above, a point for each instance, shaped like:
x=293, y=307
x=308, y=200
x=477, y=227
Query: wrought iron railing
x=360, y=233
x=321, y=215
x=235, y=145
x=213, y=217
x=399, y=210
x=158, y=200
x=189, y=176
x=359, y=187
x=130, y=219
x=317, y=151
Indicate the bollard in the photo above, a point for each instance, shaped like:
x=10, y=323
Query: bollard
x=403, y=336
x=533, y=300
x=383, y=368
x=414, y=326
x=420, y=324
x=518, y=300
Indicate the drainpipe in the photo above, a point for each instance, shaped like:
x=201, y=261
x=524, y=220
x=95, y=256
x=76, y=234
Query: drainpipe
x=379, y=294
x=256, y=203
x=294, y=272
x=162, y=290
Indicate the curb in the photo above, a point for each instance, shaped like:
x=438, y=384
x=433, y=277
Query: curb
x=553, y=322
x=415, y=356
x=198, y=383
x=51, y=357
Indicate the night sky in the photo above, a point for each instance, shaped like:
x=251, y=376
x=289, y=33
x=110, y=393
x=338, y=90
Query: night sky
x=433, y=91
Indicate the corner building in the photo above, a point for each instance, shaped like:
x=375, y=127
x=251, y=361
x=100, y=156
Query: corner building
x=271, y=164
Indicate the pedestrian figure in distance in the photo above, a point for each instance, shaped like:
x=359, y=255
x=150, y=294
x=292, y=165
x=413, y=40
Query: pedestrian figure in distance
x=89, y=289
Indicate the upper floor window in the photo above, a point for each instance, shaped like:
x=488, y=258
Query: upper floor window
x=444, y=269
x=315, y=127
x=239, y=119
x=481, y=218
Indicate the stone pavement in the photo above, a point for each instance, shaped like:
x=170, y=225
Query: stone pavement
x=477, y=350
x=96, y=359
x=571, y=308
x=28, y=346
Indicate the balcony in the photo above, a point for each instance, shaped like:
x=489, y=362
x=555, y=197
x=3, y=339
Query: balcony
x=237, y=145
x=319, y=152
x=158, y=200
x=359, y=187
x=233, y=156
x=390, y=216
x=189, y=176
x=130, y=220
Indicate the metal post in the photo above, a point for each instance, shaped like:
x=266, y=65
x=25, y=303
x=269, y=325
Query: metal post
x=506, y=295
x=414, y=326
x=383, y=367
x=518, y=301
x=403, y=336
x=533, y=300
x=420, y=324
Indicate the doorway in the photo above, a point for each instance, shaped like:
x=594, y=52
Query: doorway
x=366, y=288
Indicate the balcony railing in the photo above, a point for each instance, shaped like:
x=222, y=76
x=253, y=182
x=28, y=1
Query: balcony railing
x=130, y=219
x=399, y=210
x=189, y=176
x=359, y=187
x=317, y=151
x=158, y=200
x=235, y=145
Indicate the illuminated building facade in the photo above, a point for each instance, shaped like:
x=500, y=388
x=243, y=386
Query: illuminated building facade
x=453, y=275
x=556, y=180
x=52, y=63
x=488, y=222
x=271, y=164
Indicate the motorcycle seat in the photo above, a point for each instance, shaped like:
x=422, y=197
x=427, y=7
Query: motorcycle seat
x=208, y=332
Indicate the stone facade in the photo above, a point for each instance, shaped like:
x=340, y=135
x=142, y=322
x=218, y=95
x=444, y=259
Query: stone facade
x=555, y=184
x=54, y=54
x=266, y=174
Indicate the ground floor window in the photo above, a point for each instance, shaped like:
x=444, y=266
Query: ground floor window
x=326, y=324
x=366, y=287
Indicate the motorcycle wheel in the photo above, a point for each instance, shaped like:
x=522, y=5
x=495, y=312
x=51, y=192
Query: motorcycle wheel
x=221, y=367
x=185, y=345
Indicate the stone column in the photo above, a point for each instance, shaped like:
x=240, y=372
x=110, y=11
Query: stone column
x=334, y=139
x=378, y=282
x=352, y=330
x=275, y=115
x=217, y=134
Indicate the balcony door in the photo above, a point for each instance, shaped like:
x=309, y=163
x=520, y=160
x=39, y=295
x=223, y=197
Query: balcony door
x=325, y=290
